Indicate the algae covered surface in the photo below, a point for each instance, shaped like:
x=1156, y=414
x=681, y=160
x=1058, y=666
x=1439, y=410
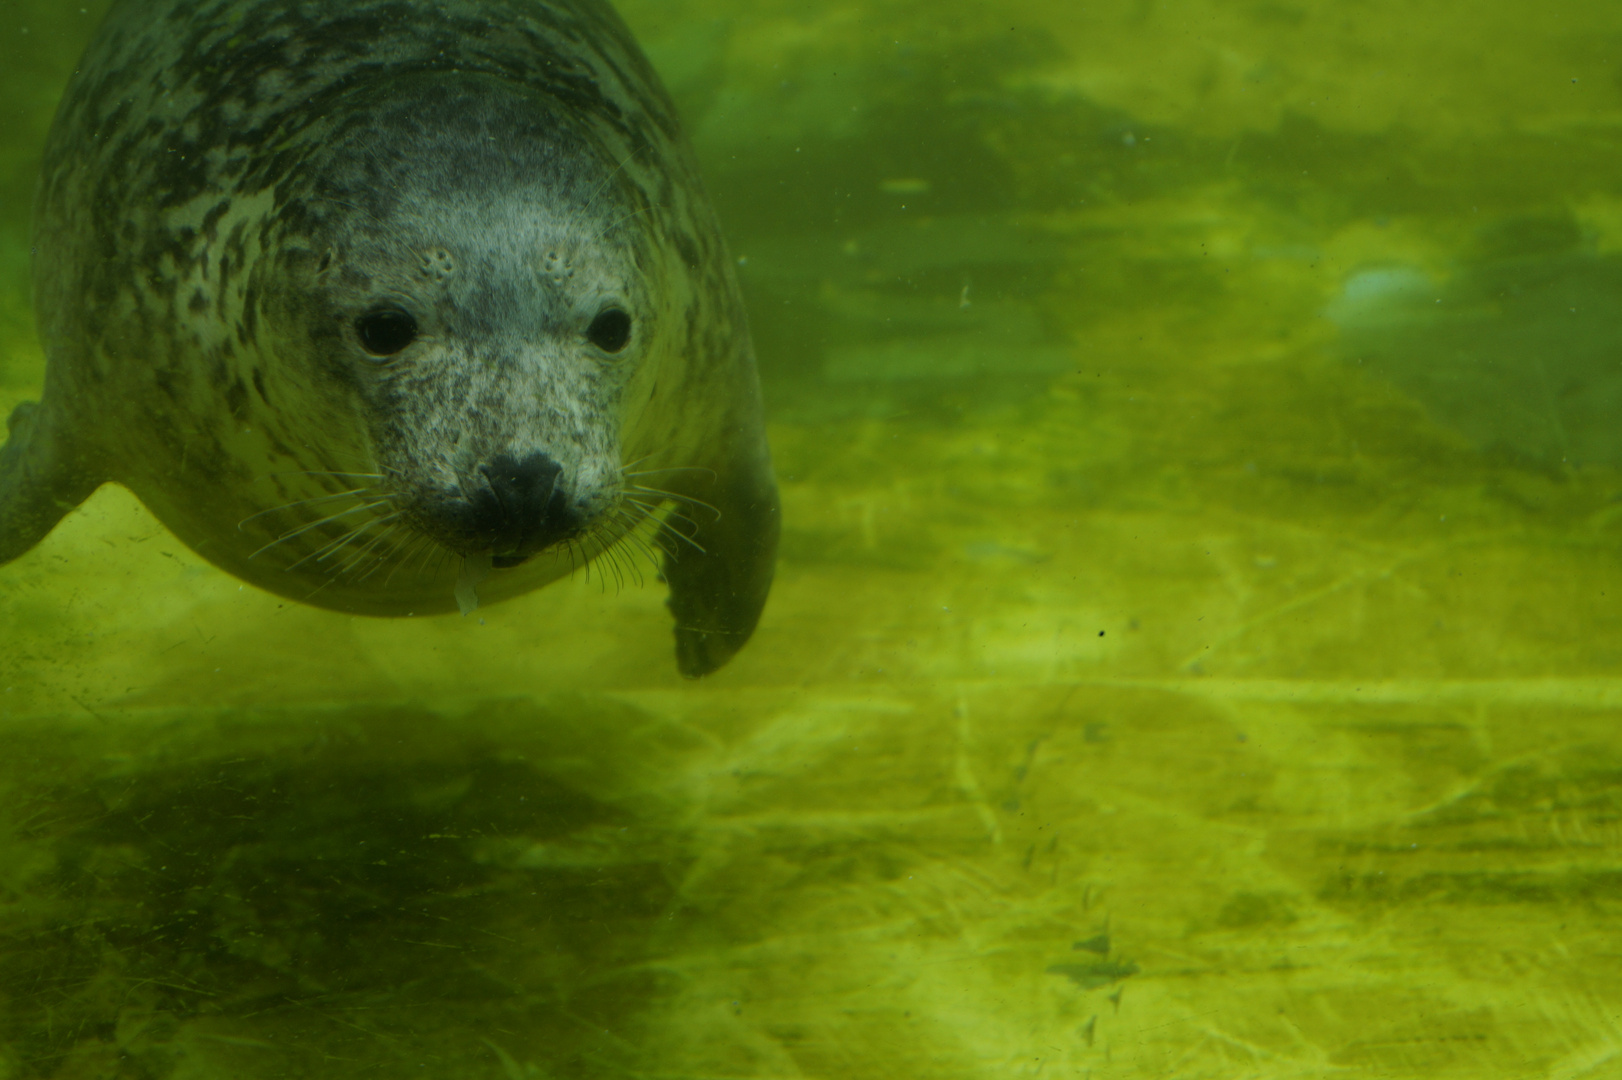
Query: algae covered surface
x=1195, y=647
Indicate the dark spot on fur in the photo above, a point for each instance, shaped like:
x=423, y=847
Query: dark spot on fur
x=259, y=384
x=687, y=249
x=199, y=302
x=167, y=383
x=212, y=219
x=236, y=398
x=221, y=290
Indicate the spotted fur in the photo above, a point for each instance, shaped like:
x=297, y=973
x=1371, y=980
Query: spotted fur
x=230, y=184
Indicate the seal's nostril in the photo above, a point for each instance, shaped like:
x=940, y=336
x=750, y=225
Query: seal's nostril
x=525, y=508
x=523, y=487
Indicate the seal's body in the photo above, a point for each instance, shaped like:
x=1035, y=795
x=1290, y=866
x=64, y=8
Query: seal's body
x=363, y=296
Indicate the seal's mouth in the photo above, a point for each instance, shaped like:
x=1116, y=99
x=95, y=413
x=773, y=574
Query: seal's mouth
x=507, y=562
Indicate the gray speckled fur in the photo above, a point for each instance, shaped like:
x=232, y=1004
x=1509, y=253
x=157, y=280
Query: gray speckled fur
x=229, y=184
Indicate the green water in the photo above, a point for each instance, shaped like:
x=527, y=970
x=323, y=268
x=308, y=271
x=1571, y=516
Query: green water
x=1194, y=651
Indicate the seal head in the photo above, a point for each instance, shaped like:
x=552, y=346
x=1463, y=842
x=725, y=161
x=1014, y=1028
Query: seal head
x=473, y=277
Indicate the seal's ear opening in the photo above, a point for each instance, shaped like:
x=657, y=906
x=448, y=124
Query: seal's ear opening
x=40, y=480
x=719, y=586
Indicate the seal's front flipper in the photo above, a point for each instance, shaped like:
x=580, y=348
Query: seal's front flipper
x=40, y=480
x=719, y=582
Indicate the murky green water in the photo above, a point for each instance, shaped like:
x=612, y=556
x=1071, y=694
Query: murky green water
x=1194, y=651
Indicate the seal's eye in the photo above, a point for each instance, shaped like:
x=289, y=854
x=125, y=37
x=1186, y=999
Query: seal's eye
x=386, y=332
x=610, y=330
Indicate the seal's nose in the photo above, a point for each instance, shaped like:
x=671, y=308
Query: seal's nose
x=524, y=508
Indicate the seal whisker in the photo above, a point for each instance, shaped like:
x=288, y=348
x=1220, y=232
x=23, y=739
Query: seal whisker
x=395, y=557
x=403, y=540
x=662, y=525
x=628, y=564
x=624, y=161
x=630, y=547
x=667, y=529
x=353, y=533
x=605, y=564
x=671, y=516
x=320, y=553
x=326, y=551
x=676, y=495
x=650, y=503
x=671, y=513
x=303, y=502
x=606, y=229
x=638, y=461
x=614, y=568
x=433, y=549
x=318, y=588
x=429, y=550
x=632, y=537
x=317, y=524
x=625, y=469
x=649, y=511
x=340, y=542
x=407, y=553
x=359, y=557
x=654, y=539
x=329, y=472
x=580, y=215
x=625, y=564
x=337, y=573
x=342, y=203
x=378, y=561
x=631, y=520
x=331, y=517
x=673, y=468
x=643, y=489
x=644, y=549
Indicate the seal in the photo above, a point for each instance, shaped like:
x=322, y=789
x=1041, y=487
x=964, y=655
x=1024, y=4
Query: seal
x=394, y=305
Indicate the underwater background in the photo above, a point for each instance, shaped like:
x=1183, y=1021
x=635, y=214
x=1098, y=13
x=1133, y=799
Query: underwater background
x=1194, y=651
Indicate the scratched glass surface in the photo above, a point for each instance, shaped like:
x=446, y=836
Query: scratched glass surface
x=1194, y=651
